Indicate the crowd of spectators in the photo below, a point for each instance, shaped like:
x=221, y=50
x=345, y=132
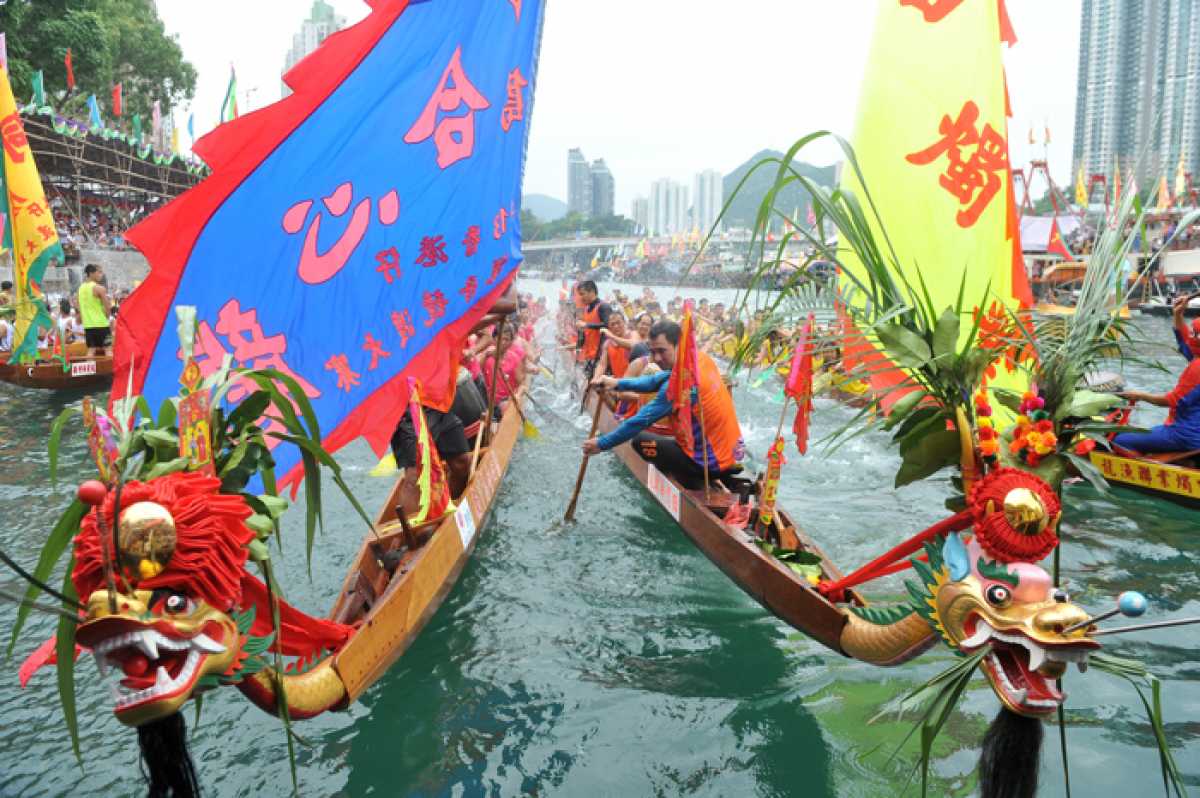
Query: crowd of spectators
x=95, y=228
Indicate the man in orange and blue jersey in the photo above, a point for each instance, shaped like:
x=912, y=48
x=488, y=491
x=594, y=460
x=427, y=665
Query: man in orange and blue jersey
x=717, y=444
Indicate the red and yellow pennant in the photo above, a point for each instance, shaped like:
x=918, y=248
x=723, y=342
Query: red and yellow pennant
x=431, y=480
x=799, y=384
x=684, y=377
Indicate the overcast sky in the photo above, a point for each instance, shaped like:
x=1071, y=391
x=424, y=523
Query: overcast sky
x=666, y=88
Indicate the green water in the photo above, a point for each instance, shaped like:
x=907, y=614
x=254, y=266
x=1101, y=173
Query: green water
x=611, y=658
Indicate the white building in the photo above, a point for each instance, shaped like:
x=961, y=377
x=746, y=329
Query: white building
x=708, y=195
x=1138, y=95
x=640, y=213
x=314, y=30
x=667, y=210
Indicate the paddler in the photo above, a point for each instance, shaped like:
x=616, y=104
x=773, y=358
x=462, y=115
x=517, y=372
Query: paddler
x=593, y=317
x=717, y=445
x=615, y=348
x=1187, y=337
x=1181, y=432
x=448, y=430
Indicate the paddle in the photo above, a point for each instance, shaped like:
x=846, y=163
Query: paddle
x=570, y=514
x=527, y=426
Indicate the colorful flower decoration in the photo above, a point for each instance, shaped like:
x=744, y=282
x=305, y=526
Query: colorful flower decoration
x=1034, y=436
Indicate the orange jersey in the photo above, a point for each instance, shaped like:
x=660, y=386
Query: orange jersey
x=591, y=338
x=618, y=359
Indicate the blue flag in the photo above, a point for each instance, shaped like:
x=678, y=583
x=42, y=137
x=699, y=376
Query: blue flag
x=192, y=127
x=94, y=112
x=351, y=234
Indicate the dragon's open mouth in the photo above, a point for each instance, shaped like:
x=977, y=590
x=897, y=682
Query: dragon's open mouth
x=1022, y=670
x=156, y=666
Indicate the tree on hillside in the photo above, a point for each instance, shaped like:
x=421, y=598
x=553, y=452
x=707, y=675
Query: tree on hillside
x=110, y=40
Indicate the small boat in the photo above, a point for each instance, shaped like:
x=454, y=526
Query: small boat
x=401, y=576
x=1174, y=476
x=783, y=591
x=76, y=372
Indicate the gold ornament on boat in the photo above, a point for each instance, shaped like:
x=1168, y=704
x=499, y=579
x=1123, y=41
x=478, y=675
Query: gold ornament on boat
x=146, y=535
x=1024, y=511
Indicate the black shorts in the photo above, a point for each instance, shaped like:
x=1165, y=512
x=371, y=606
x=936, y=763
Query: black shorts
x=446, y=430
x=96, y=337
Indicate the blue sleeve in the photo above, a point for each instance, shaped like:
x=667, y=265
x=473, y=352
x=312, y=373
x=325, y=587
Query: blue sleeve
x=1184, y=349
x=660, y=407
x=647, y=383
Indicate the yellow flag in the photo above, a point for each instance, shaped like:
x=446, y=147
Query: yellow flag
x=28, y=227
x=1081, y=193
x=932, y=141
x=641, y=249
x=1164, y=194
x=1180, y=180
x=175, y=140
x=1116, y=181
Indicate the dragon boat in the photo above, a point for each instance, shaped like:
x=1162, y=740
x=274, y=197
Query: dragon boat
x=1174, y=476
x=73, y=372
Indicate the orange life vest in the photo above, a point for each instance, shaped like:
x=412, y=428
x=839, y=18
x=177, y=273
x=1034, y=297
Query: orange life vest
x=721, y=432
x=618, y=359
x=591, y=338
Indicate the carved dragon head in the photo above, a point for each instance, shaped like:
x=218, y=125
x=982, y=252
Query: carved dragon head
x=988, y=593
x=184, y=615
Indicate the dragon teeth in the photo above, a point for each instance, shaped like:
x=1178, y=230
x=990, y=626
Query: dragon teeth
x=148, y=645
x=1037, y=655
x=207, y=644
x=981, y=636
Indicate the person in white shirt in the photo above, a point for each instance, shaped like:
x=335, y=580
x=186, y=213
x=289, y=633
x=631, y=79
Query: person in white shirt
x=6, y=336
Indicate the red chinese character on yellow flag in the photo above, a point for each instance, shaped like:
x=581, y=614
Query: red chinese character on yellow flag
x=454, y=136
x=15, y=141
x=346, y=378
x=973, y=177
x=514, y=108
x=933, y=10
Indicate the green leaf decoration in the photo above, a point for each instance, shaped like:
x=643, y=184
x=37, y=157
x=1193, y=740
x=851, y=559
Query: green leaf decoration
x=244, y=620
x=56, y=429
x=904, y=405
x=169, y=467
x=904, y=346
x=1136, y=674
x=1088, y=471
x=167, y=414
x=945, y=336
x=928, y=455
x=52, y=550
x=257, y=645
x=64, y=649
x=1085, y=404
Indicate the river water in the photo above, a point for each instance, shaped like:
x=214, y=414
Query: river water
x=609, y=657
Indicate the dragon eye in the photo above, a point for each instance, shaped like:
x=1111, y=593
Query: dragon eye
x=1060, y=595
x=177, y=604
x=998, y=595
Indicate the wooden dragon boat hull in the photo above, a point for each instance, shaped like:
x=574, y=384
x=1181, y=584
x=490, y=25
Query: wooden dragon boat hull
x=393, y=604
x=1174, y=477
x=80, y=373
x=782, y=591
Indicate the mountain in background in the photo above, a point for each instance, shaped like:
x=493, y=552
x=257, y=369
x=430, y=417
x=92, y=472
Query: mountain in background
x=544, y=207
x=744, y=209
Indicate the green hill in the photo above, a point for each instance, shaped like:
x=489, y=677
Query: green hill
x=745, y=206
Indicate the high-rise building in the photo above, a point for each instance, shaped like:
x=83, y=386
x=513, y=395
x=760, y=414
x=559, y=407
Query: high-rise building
x=603, y=189
x=708, y=194
x=667, y=210
x=1138, y=98
x=314, y=30
x=640, y=213
x=579, y=183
